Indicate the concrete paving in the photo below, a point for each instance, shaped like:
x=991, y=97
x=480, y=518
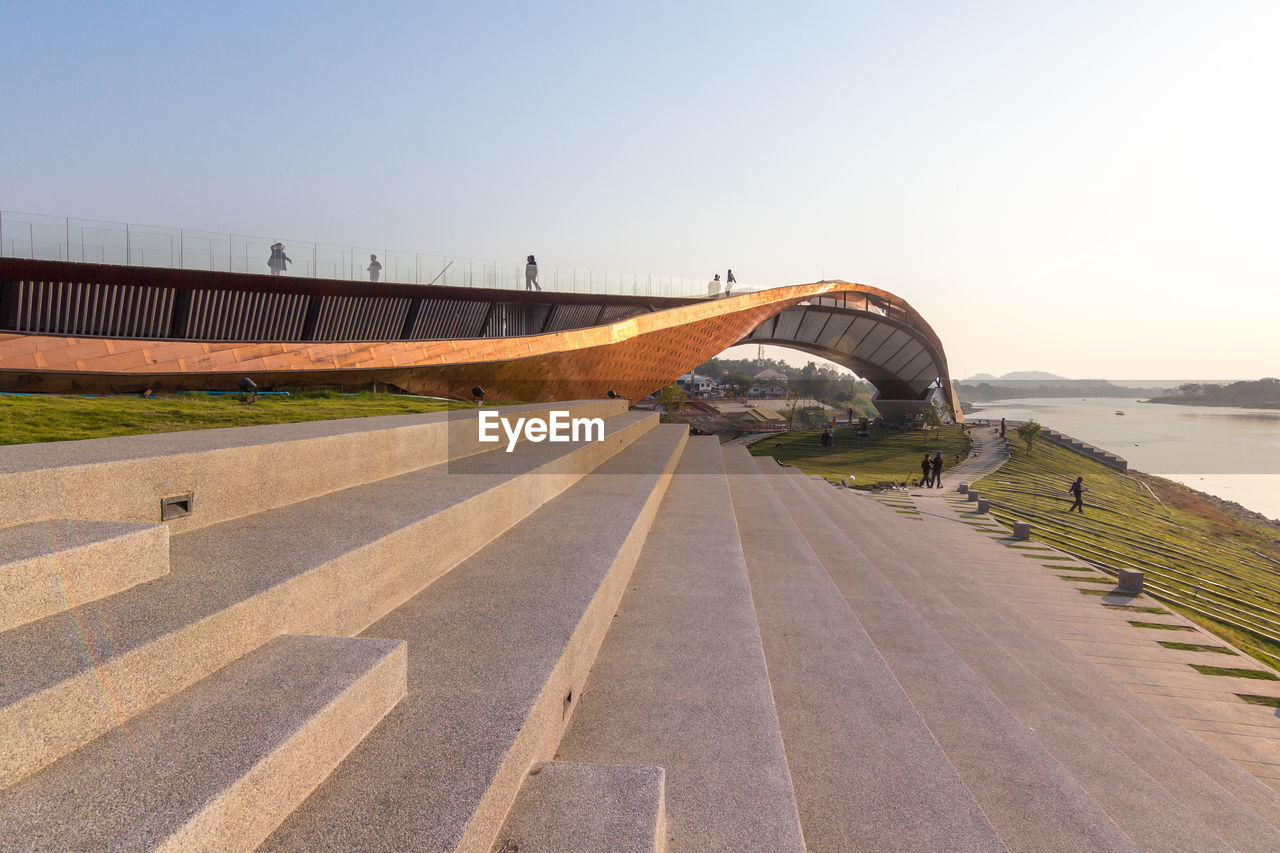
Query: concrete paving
x=681, y=680
x=330, y=565
x=586, y=808
x=868, y=772
x=1135, y=798
x=1080, y=682
x=52, y=566
x=220, y=765
x=499, y=650
x=1029, y=798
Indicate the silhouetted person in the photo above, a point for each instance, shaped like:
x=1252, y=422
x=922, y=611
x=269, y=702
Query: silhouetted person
x=926, y=472
x=1077, y=492
x=279, y=261
x=937, y=470
x=1002, y=427
x=375, y=268
x=531, y=275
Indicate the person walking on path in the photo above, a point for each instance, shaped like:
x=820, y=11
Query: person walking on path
x=937, y=470
x=926, y=472
x=375, y=268
x=1077, y=492
x=531, y=275
x=279, y=261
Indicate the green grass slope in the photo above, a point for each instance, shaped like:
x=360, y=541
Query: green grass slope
x=1218, y=570
x=887, y=458
x=25, y=419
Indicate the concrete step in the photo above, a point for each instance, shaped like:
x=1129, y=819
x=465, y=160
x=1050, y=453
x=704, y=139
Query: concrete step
x=586, y=808
x=332, y=565
x=218, y=766
x=48, y=567
x=1028, y=797
x=499, y=650
x=867, y=771
x=1136, y=801
x=681, y=681
x=231, y=473
x=1233, y=803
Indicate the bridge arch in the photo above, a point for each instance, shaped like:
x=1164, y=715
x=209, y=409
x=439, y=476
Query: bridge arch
x=102, y=328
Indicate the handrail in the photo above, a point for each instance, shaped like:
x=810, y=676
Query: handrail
x=60, y=238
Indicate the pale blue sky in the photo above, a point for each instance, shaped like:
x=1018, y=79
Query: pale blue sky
x=1089, y=188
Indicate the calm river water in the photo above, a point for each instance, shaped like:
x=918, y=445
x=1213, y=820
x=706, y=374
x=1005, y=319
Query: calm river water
x=1232, y=453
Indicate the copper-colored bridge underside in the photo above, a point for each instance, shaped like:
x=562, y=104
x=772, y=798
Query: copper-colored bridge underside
x=632, y=357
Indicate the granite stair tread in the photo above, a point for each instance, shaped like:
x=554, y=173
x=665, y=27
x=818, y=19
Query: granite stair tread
x=329, y=565
x=867, y=771
x=218, y=766
x=498, y=652
x=1136, y=801
x=1026, y=795
x=681, y=679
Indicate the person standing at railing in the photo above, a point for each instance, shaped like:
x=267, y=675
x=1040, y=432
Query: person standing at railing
x=375, y=268
x=279, y=261
x=713, y=287
x=531, y=275
x=729, y=282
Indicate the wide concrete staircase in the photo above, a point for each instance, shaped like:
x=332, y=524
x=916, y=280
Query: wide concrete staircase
x=383, y=635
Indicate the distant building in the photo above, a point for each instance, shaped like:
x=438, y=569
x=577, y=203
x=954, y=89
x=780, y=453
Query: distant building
x=755, y=419
x=697, y=385
x=769, y=376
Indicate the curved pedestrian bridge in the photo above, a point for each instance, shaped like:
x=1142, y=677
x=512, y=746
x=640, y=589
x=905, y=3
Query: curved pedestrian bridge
x=382, y=635
x=118, y=329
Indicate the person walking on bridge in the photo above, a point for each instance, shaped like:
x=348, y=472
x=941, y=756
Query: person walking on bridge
x=1077, y=492
x=531, y=275
x=729, y=282
x=375, y=268
x=279, y=261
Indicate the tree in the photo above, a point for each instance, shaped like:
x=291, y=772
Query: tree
x=930, y=418
x=738, y=383
x=1189, y=388
x=671, y=399
x=1028, y=432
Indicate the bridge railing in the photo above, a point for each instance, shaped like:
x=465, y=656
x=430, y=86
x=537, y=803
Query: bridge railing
x=59, y=238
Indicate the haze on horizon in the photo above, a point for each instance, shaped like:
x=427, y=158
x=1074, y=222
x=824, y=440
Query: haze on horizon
x=1088, y=189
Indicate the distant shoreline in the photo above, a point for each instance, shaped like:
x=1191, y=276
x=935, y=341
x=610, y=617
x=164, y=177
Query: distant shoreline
x=1229, y=404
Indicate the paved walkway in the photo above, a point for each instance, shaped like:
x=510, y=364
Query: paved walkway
x=1052, y=589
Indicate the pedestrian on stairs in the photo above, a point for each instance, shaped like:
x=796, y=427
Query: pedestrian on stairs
x=1077, y=491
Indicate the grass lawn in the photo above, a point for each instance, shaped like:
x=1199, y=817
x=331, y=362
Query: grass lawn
x=1219, y=571
x=28, y=419
x=887, y=458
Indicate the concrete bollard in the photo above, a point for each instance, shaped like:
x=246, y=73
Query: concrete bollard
x=983, y=505
x=962, y=488
x=1131, y=580
x=1021, y=530
x=973, y=496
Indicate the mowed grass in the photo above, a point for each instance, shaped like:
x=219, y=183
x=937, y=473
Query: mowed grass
x=29, y=419
x=1217, y=570
x=886, y=458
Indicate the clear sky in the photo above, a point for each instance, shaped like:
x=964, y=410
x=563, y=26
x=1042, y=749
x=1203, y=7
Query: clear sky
x=1088, y=188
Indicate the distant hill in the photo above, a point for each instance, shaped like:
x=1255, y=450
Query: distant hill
x=1017, y=376
x=1038, y=375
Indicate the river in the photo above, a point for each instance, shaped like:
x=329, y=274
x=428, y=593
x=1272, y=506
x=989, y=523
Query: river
x=1229, y=452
